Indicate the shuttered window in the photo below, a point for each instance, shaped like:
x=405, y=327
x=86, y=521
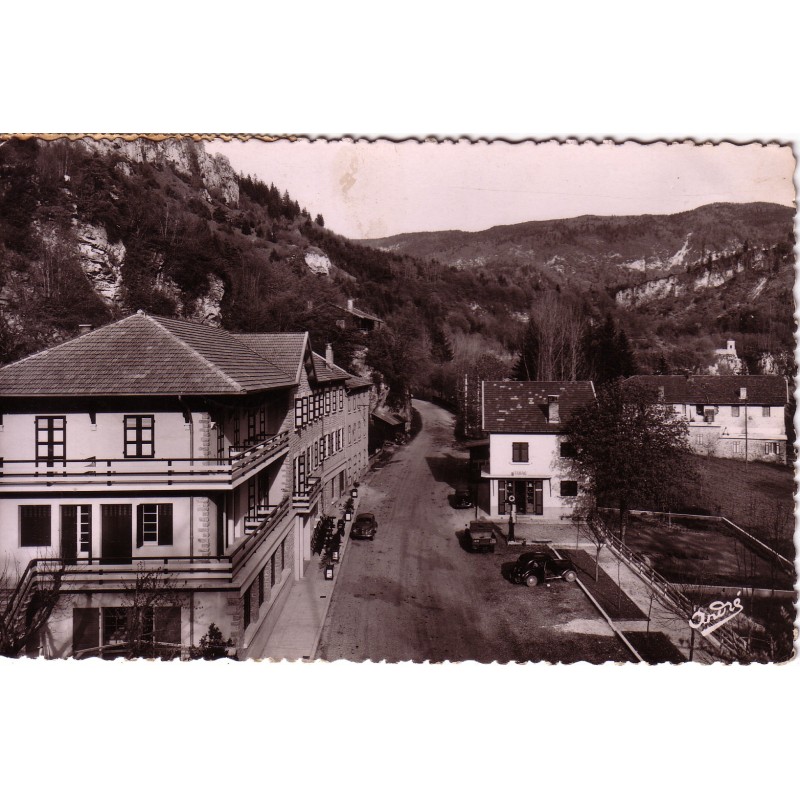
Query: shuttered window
x=519, y=451
x=139, y=437
x=569, y=488
x=34, y=526
x=154, y=524
x=51, y=439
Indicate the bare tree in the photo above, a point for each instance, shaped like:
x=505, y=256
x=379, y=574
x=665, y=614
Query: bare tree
x=27, y=600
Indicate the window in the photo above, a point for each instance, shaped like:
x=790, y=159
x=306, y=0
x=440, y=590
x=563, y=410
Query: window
x=251, y=426
x=262, y=420
x=734, y=411
x=305, y=410
x=736, y=447
x=34, y=526
x=765, y=411
x=154, y=524
x=569, y=488
x=772, y=448
x=341, y=399
x=699, y=410
x=139, y=440
x=567, y=450
x=327, y=401
x=220, y=439
x=51, y=437
x=519, y=451
x=298, y=413
x=236, y=429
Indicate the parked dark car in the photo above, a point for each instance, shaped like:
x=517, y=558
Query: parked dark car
x=482, y=536
x=364, y=527
x=462, y=499
x=534, y=568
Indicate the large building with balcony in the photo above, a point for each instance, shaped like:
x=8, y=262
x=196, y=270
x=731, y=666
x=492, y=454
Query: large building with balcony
x=730, y=416
x=171, y=468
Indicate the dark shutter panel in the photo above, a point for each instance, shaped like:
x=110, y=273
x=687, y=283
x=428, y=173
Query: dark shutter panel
x=139, y=525
x=69, y=533
x=501, y=497
x=165, y=523
x=85, y=632
x=34, y=526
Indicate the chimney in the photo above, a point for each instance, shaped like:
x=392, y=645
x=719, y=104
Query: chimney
x=349, y=303
x=743, y=393
x=552, y=408
x=84, y=328
x=329, y=353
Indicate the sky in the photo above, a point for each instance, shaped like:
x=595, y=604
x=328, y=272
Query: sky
x=374, y=189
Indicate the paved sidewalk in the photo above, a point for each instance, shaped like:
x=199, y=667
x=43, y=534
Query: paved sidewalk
x=297, y=631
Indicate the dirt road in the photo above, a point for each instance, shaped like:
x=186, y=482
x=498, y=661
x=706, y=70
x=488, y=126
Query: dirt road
x=414, y=593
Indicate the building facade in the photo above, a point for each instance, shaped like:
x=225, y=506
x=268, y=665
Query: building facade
x=152, y=465
x=526, y=467
x=730, y=416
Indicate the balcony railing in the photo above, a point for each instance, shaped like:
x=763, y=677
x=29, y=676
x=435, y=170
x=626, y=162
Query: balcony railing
x=302, y=499
x=266, y=522
x=213, y=472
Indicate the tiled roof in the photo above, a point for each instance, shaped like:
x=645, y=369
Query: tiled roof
x=388, y=417
x=521, y=406
x=147, y=355
x=285, y=350
x=327, y=372
x=767, y=390
x=357, y=382
x=357, y=312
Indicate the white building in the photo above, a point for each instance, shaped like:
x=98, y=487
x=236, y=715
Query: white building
x=165, y=448
x=730, y=416
x=529, y=468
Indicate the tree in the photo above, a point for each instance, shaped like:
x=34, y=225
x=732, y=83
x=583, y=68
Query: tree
x=608, y=352
x=551, y=347
x=212, y=646
x=27, y=602
x=629, y=447
x=320, y=220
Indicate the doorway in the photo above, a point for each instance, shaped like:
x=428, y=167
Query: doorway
x=116, y=534
x=529, y=497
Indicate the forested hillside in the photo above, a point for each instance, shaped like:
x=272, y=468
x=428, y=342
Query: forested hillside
x=92, y=230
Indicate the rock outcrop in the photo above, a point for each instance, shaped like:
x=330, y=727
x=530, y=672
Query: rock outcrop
x=187, y=157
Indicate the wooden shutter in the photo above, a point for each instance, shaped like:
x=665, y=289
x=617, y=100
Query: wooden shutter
x=165, y=523
x=501, y=497
x=85, y=631
x=34, y=526
x=139, y=525
x=69, y=533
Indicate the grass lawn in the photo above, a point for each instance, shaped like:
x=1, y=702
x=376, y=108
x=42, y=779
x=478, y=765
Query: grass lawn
x=694, y=551
x=758, y=497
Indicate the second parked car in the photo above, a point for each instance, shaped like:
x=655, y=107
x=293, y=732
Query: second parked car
x=364, y=527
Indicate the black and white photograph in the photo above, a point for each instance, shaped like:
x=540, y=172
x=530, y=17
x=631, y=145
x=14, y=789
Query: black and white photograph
x=416, y=401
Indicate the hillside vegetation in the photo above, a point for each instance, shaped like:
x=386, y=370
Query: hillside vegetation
x=92, y=230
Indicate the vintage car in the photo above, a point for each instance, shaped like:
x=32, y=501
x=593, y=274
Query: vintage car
x=462, y=498
x=364, y=527
x=534, y=568
x=482, y=536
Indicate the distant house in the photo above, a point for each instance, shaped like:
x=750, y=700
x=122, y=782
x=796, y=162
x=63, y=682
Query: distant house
x=731, y=416
x=154, y=443
x=361, y=319
x=727, y=362
x=528, y=468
